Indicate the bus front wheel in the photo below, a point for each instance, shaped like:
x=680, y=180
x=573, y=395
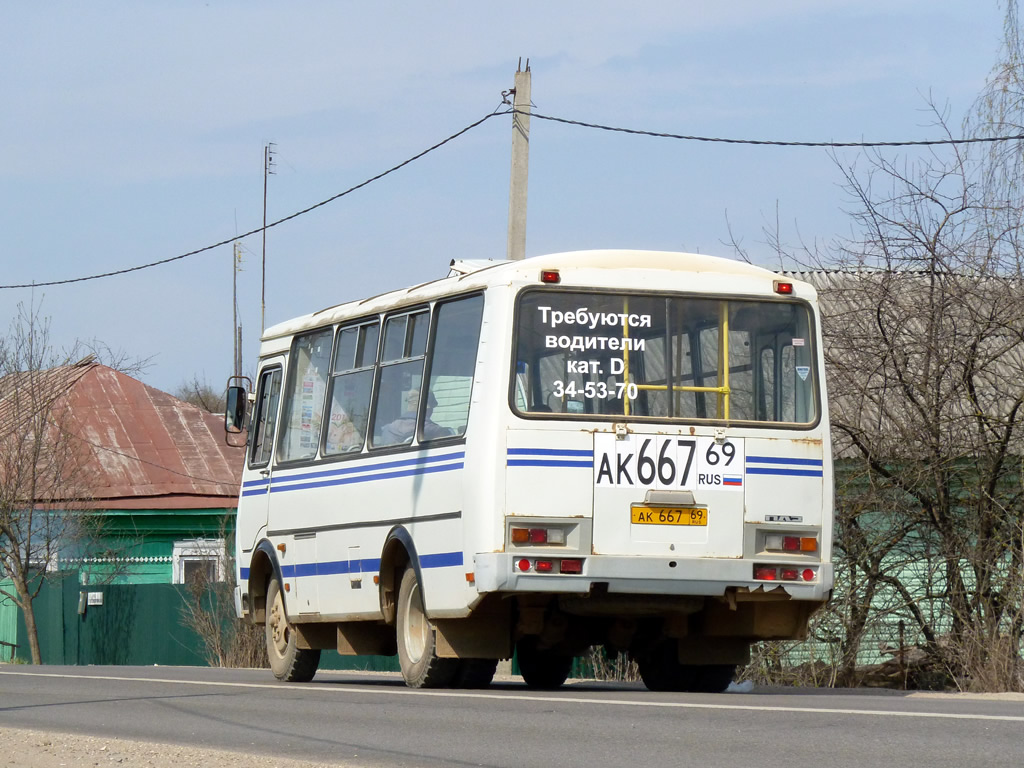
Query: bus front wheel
x=417, y=650
x=288, y=662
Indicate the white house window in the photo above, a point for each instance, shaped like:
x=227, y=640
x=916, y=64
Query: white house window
x=198, y=559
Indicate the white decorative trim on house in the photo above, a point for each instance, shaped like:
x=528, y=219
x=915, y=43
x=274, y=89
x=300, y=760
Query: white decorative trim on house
x=191, y=555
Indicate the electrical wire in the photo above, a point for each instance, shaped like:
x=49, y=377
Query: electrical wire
x=256, y=231
x=538, y=116
x=766, y=142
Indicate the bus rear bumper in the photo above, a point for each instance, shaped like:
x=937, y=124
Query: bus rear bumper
x=501, y=572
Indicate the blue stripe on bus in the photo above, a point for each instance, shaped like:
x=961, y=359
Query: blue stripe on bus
x=368, y=566
x=369, y=466
x=549, y=463
x=785, y=472
x=550, y=457
x=784, y=461
x=336, y=476
x=366, y=478
x=550, y=452
x=782, y=466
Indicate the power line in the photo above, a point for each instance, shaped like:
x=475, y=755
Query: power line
x=565, y=121
x=766, y=142
x=256, y=231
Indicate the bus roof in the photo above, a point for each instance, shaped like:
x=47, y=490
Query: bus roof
x=588, y=266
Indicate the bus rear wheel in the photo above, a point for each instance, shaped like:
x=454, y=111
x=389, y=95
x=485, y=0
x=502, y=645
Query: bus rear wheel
x=417, y=649
x=288, y=662
x=475, y=673
x=661, y=671
x=541, y=668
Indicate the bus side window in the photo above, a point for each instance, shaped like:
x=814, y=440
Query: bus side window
x=401, y=376
x=351, y=381
x=452, y=366
x=307, y=385
x=265, y=417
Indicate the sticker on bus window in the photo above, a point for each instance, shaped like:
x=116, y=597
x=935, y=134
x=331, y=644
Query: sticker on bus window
x=803, y=371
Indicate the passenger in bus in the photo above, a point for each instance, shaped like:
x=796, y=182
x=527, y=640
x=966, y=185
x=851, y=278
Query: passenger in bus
x=402, y=429
x=342, y=434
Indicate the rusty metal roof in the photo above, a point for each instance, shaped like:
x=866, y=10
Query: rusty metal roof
x=144, y=448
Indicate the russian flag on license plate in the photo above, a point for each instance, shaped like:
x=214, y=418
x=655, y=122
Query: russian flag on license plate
x=733, y=480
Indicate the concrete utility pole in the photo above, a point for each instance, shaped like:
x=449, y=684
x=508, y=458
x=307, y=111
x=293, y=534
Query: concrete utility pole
x=520, y=164
x=268, y=170
x=236, y=327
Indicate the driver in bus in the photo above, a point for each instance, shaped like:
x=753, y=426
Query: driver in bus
x=402, y=429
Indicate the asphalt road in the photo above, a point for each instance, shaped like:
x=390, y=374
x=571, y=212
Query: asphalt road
x=374, y=720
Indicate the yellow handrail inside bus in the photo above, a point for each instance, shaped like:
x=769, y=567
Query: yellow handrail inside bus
x=723, y=390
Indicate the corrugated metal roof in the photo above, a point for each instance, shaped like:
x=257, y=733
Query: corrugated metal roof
x=145, y=449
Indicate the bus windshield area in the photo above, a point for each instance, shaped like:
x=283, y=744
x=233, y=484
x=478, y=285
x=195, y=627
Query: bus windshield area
x=664, y=357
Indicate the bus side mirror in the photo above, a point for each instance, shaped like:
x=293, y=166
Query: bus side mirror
x=234, y=414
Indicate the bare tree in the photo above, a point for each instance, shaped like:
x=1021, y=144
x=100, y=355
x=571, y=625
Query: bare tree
x=202, y=394
x=923, y=318
x=208, y=609
x=43, y=484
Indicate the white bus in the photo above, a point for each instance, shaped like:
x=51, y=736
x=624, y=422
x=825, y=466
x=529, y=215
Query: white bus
x=627, y=449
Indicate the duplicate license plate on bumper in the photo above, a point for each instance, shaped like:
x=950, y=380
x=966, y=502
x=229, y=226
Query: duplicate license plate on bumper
x=669, y=515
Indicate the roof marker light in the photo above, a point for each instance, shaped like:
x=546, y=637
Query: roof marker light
x=550, y=276
x=783, y=288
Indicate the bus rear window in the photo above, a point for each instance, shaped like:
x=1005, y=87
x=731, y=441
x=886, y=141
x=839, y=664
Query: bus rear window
x=664, y=357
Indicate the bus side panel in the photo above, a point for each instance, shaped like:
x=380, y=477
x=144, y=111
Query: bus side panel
x=785, y=479
x=549, y=473
x=348, y=508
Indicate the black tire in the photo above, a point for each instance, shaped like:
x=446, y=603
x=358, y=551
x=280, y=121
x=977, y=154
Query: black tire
x=714, y=678
x=475, y=673
x=661, y=671
x=541, y=669
x=288, y=662
x=417, y=650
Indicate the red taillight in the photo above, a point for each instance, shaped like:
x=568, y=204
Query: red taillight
x=571, y=566
x=550, y=276
x=791, y=543
x=524, y=564
x=789, y=574
x=783, y=288
x=765, y=573
x=808, y=574
x=543, y=566
x=538, y=535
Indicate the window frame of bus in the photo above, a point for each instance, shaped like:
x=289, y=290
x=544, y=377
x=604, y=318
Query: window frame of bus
x=334, y=376
x=431, y=359
x=289, y=382
x=816, y=380
x=265, y=375
x=383, y=365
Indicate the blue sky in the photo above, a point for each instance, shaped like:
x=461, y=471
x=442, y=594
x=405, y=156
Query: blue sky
x=134, y=132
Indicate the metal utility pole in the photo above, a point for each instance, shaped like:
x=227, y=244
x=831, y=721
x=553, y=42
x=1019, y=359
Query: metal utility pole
x=268, y=170
x=520, y=164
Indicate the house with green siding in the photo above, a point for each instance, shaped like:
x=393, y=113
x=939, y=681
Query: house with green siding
x=161, y=486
